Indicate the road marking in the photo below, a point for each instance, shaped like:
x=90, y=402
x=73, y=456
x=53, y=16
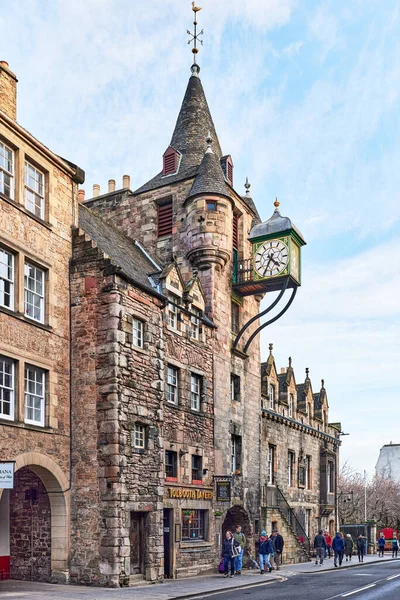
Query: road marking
x=359, y=590
x=206, y=594
x=393, y=577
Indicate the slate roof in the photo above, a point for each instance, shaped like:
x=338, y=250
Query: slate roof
x=210, y=177
x=123, y=252
x=189, y=138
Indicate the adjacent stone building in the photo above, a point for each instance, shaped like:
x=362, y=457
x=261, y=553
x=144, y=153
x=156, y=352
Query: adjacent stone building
x=38, y=205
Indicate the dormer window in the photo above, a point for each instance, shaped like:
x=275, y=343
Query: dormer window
x=170, y=161
x=227, y=167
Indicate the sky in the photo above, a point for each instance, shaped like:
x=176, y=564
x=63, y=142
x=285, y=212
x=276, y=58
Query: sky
x=305, y=97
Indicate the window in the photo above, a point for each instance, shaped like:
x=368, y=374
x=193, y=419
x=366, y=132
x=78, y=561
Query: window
x=271, y=404
x=139, y=436
x=235, y=388
x=164, y=219
x=291, y=405
x=236, y=454
x=34, y=190
x=6, y=279
x=308, y=473
x=193, y=524
x=235, y=317
x=291, y=461
x=171, y=465
x=137, y=333
x=172, y=385
x=235, y=232
x=6, y=388
x=211, y=206
x=195, y=323
x=308, y=412
x=197, y=469
x=34, y=293
x=331, y=477
x=34, y=395
x=195, y=391
x=307, y=521
x=172, y=311
x=6, y=171
x=271, y=460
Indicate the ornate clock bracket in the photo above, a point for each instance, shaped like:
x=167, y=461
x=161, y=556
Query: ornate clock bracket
x=262, y=314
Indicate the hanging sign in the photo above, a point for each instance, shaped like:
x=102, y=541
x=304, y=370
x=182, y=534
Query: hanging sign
x=7, y=475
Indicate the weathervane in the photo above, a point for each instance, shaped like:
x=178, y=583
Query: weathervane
x=195, y=37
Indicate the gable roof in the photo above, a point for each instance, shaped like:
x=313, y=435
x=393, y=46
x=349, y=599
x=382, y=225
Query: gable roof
x=122, y=251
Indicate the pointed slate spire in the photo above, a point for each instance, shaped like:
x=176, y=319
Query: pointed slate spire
x=193, y=124
x=210, y=177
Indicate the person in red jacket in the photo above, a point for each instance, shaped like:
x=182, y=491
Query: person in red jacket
x=328, y=541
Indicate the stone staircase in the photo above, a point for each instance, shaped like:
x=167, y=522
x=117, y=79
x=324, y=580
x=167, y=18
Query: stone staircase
x=294, y=551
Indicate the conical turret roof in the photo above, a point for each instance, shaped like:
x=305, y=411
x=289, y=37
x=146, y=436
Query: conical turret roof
x=210, y=177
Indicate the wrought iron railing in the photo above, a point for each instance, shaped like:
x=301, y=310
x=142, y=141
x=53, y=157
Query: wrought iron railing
x=242, y=271
x=276, y=499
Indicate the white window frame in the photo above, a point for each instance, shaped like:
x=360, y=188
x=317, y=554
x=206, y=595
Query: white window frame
x=307, y=475
x=307, y=519
x=271, y=400
x=233, y=454
x=139, y=436
x=172, y=385
x=34, y=194
x=235, y=388
x=5, y=278
x=271, y=452
x=137, y=332
x=4, y=172
x=7, y=389
x=291, y=462
x=291, y=405
x=35, y=399
x=329, y=471
x=195, y=392
x=195, y=323
x=34, y=292
x=172, y=311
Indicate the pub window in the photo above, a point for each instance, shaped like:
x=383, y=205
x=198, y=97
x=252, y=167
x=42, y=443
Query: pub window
x=291, y=462
x=195, y=391
x=171, y=465
x=235, y=317
x=197, y=469
x=271, y=461
x=172, y=385
x=235, y=388
x=164, y=219
x=193, y=524
x=236, y=454
x=139, y=436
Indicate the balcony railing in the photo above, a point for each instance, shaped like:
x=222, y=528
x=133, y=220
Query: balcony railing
x=242, y=271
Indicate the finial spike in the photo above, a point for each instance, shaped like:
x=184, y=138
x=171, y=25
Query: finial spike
x=276, y=203
x=247, y=185
x=209, y=141
x=307, y=371
x=271, y=347
x=290, y=361
x=322, y=383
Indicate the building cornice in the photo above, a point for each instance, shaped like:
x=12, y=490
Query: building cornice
x=273, y=416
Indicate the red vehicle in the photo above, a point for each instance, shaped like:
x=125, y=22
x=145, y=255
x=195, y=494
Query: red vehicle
x=388, y=534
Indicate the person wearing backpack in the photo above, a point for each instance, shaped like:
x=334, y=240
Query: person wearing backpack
x=264, y=552
x=241, y=539
x=230, y=550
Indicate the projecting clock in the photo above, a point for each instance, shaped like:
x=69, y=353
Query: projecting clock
x=271, y=258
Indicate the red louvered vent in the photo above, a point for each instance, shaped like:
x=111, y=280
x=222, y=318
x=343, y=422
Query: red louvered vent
x=235, y=232
x=170, y=161
x=164, y=219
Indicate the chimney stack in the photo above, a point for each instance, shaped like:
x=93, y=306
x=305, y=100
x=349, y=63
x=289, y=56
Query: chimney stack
x=283, y=370
x=96, y=190
x=81, y=195
x=8, y=91
x=126, y=181
x=111, y=185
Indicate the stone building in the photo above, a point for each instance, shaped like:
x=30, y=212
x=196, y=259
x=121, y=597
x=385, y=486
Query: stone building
x=388, y=463
x=38, y=205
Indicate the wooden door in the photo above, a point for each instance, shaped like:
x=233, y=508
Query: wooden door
x=137, y=541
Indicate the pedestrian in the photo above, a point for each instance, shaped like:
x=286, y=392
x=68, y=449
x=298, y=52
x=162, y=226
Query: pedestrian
x=277, y=547
x=381, y=545
x=395, y=546
x=241, y=539
x=360, y=548
x=338, y=549
x=264, y=552
x=230, y=549
x=328, y=549
x=319, y=547
x=348, y=547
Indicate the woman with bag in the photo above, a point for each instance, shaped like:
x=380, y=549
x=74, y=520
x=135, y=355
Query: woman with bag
x=264, y=552
x=230, y=550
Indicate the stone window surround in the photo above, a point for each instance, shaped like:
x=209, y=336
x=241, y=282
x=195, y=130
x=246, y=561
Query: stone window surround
x=7, y=265
x=38, y=192
x=136, y=448
x=8, y=172
x=184, y=376
x=291, y=458
x=18, y=197
x=19, y=393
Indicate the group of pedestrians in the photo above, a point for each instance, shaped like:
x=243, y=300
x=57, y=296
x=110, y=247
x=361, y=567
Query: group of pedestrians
x=340, y=545
x=269, y=551
x=382, y=543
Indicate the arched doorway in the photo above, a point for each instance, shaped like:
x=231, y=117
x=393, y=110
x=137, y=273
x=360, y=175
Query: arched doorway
x=39, y=520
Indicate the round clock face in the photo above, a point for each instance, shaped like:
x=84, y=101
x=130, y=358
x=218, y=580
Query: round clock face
x=271, y=258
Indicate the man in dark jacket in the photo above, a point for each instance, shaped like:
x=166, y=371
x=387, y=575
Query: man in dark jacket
x=277, y=544
x=348, y=547
x=381, y=545
x=338, y=549
x=360, y=548
x=319, y=547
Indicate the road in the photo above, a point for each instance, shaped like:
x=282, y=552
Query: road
x=370, y=582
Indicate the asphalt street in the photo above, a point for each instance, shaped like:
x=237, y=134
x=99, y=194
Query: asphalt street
x=370, y=582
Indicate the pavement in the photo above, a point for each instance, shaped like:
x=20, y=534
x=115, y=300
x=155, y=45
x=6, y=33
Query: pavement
x=174, y=589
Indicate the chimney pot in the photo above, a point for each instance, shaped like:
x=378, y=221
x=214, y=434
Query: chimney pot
x=81, y=195
x=283, y=370
x=111, y=185
x=4, y=63
x=96, y=190
x=126, y=181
